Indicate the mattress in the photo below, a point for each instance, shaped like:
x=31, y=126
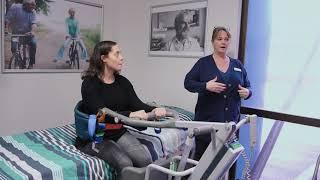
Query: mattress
x=50, y=153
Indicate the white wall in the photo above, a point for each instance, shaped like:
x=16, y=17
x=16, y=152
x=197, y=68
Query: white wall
x=161, y=79
x=32, y=101
x=36, y=101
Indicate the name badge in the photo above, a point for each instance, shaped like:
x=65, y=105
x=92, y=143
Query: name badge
x=237, y=69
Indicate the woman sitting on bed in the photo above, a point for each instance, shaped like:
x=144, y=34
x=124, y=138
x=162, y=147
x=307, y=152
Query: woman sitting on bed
x=103, y=86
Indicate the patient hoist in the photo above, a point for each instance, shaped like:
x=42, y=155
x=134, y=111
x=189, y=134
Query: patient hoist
x=216, y=161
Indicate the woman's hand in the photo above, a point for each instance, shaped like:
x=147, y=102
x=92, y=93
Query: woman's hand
x=139, y=114
x=160, y=112
x=214, y=86
x=243, y=92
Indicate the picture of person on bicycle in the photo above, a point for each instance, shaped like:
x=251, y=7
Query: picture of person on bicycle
x=21, y=20
x=73, y=34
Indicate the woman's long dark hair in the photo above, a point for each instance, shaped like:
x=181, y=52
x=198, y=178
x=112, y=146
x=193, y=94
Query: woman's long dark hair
x=96, y=65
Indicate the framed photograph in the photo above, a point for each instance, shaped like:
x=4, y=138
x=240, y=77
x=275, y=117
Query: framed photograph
x=178, y=29
x=49, y=36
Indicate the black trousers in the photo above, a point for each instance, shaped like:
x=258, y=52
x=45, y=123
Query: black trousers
x=31, y=41
x=202, y=143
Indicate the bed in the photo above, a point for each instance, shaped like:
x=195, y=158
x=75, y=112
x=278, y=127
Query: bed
x=50, y=153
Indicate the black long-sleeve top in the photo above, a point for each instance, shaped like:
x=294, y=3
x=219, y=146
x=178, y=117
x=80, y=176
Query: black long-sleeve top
x=118, y=96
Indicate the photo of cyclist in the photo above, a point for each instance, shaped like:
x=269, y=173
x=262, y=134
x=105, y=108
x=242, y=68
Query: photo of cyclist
x=21, y=20
x=49, y=36
x=72, y=32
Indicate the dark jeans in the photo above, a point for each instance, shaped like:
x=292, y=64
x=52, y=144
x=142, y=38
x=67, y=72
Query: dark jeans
x=127, y=151
x=31, y=41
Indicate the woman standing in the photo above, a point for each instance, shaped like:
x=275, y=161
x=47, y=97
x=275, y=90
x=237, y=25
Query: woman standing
x=220, y=82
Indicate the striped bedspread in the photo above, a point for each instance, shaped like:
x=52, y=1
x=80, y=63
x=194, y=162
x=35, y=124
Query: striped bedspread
x=48, y=154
